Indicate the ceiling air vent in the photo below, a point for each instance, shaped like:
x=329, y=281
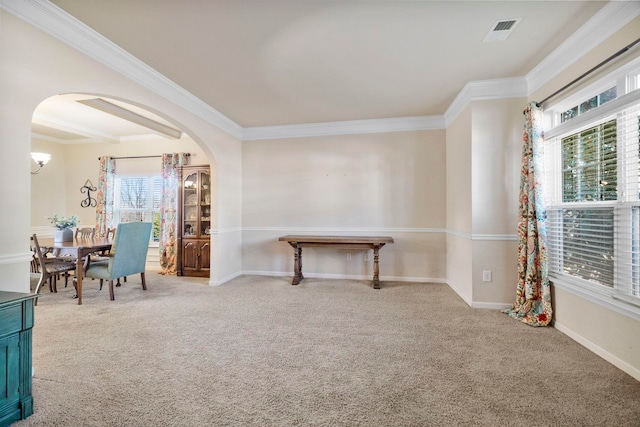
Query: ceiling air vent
x=501, y=30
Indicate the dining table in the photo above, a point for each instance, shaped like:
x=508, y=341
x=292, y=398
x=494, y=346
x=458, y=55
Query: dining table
x=79, y=248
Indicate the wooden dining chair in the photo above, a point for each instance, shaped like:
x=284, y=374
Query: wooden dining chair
x=85, y=233
x=50, y=268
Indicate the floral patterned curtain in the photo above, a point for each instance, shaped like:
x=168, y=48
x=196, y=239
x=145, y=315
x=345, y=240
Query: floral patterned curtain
x=104, y=197
x=533, y=295
x=171, y=162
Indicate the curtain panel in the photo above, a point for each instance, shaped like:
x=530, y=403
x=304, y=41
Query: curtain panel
x=171, y=164
x=533, y=294
x=105, y=195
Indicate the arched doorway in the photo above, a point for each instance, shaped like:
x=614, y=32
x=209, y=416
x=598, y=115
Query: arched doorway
x=76, y=130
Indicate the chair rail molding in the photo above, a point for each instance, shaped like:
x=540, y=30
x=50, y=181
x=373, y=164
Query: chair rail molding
x=15, y=258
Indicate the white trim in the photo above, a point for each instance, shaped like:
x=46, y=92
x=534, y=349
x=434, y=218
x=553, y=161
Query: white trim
x=495, y=237
x=460, y=294
x=225, y=280
x=609, y=357
x=219, y=231
x=59, y=24
x=603, y=297
x=15, y=258
x=342, y=230
x=613, y=16
x=460, y=234
x=511, y=87
x=42, y=230
x=381, y=230
x=588, y=118
x=491, y=305
x=346, y=276
x=483, y=237
x=400, y=124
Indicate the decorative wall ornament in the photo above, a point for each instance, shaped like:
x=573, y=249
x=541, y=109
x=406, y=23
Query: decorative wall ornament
x=89, y=201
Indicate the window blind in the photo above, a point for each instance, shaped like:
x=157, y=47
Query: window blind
x=593, y=202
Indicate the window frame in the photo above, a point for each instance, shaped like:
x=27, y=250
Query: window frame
x=627, y=81
x=149, y=211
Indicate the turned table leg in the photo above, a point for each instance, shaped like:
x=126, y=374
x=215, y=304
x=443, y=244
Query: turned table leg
x=376, y=271
x=297, y=265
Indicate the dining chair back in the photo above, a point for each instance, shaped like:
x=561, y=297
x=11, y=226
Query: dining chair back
x=85, y=233
x=49, y=268
x=128, y=255
x=111, y=233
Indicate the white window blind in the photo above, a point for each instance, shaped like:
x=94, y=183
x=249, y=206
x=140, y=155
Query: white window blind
x=593, y=203
x=137, y=198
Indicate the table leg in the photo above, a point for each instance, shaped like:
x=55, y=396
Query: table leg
x=79, y=271
x=376, y=279
x=297, y=265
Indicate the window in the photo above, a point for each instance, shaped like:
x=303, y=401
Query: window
x=137, y=198
x=593, y=200
x=589, y=104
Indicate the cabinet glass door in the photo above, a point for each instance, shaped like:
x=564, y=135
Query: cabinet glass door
x=205, y=203
x=190, y=215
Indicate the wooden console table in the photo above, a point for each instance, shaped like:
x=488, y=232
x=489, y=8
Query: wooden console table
x=347, y=242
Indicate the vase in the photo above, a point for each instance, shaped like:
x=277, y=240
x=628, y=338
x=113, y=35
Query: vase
x=64, y=235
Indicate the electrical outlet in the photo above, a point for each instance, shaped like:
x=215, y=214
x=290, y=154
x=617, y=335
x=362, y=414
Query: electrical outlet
x=366, y=256
x=486, y=276
x=348, y=257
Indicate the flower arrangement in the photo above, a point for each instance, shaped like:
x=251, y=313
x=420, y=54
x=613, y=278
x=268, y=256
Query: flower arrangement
x=61, y=222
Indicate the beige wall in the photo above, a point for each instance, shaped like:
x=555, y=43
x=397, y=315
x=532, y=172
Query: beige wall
x=72, y=164
x=609, y=334
x=46, y=197
x=34, y=67
x=459, y=205
x=496, y=152
x=385, y=184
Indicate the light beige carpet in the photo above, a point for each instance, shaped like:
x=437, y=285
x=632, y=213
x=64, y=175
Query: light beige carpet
x=259, y=352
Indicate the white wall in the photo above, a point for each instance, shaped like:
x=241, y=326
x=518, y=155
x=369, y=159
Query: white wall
x=377, y=184
x=35, y=66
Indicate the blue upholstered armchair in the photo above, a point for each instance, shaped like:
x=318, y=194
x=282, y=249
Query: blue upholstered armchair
x=128, y=255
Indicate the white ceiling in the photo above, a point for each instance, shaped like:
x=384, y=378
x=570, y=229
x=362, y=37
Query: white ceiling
x=276, y=62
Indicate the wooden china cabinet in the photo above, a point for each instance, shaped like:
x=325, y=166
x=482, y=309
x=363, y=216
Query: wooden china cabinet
x=194, y=221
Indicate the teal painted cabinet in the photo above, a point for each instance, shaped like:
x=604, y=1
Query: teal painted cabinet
x=16, y=322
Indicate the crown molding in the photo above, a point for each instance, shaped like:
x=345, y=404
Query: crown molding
x=511, y=87
x=611, y=18
x=54, y=21
x=400, y=124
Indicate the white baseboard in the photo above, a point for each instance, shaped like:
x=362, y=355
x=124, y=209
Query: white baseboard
x=491, y=305
x=346, y=276
x=614, y=360
x=461, y=295
x=225, y=280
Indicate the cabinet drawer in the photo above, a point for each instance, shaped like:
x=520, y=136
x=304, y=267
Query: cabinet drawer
x=10, y=319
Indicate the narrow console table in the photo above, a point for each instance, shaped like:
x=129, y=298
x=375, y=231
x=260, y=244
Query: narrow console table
x=16, y=322
x=347, y=242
